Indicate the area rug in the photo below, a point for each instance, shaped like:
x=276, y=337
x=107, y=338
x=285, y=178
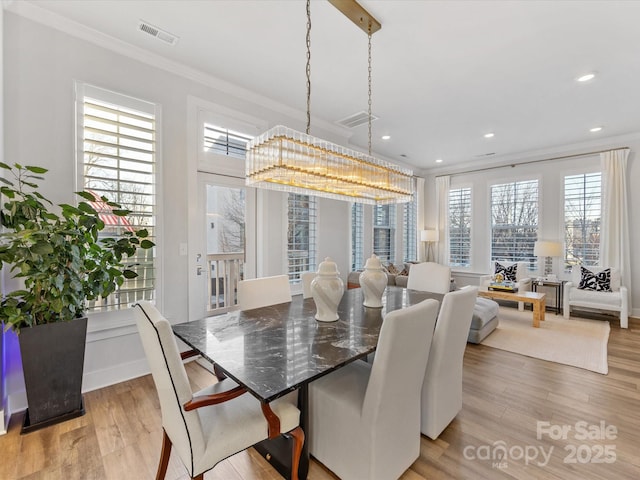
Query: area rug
x=577, y=342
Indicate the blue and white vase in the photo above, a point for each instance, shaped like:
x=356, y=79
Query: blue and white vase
x=327, y=290
x=373, y=281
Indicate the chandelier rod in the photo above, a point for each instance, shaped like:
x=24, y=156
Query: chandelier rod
x=358, y=15
x=308, y=67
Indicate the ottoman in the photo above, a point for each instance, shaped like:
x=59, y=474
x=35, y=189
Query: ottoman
x=484, y=320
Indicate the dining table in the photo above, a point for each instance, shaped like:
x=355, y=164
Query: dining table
x=278, y=349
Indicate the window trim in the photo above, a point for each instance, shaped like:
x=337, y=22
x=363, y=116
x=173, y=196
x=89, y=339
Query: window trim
x=120, y=321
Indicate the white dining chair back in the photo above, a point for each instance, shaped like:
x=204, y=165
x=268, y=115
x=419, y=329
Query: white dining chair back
x=442, y=387
x=307, y=278
x=364, y=419
x=264, y=291
x=429, y=277
x=208, y=426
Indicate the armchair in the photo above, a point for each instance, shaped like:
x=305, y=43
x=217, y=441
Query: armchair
x=617, y=300
x=523, y=281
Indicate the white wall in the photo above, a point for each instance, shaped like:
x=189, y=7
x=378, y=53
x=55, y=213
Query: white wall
x=550, y=174
x=3, y=398
x=41, y=65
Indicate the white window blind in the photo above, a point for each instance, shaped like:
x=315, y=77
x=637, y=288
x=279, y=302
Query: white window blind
x=514, y=221
x=225, y=142
x=118, y=161
x=460, y=227
x=302, y=222
x=384, y=228
x=357, y=226
x=582, y=217
x=410, y=231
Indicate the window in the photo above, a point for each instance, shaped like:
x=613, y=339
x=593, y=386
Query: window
x=514, y=221
x=301, y=252
x=357, y=225
x=582, y=208
x=410, y=231
x=118, y=161
x=384, y=228
x=460, y=227
x=225, y=142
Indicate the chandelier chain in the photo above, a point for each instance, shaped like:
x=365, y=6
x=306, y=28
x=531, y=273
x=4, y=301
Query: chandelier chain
x=369, y=92
x=308, y=67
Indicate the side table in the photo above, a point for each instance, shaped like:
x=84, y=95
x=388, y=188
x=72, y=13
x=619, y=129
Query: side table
x=559, y=289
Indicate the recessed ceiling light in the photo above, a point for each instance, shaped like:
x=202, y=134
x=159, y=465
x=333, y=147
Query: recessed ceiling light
x=595, y=129
x=439, y=160
x=586, y=77
x=386, y=137
x=489, y=135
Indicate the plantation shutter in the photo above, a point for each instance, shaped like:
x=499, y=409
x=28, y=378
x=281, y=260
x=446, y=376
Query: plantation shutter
x=514, y=221
x=119, y=163
x=582, y=219
x=460, y=227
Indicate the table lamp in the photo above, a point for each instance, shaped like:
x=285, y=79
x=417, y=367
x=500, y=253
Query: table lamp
x=547, y=250
x=429, y=237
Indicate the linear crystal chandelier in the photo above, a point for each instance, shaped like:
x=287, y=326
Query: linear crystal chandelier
x=288, y=160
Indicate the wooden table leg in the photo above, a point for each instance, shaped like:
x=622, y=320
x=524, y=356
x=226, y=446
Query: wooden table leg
x=539, y=308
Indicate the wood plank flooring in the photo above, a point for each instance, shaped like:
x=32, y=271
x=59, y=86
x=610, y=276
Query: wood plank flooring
x=505, y=395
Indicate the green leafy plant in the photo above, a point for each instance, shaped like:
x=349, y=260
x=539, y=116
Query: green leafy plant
x=59, y=256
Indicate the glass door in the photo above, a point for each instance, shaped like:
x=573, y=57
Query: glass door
x=221, y=241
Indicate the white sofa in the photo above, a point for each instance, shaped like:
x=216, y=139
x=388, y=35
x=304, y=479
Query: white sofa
x=523, y=280
x=616, y=301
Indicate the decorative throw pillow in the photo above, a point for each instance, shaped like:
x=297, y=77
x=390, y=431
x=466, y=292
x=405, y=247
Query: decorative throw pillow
x=600, y=282
x=392, y=269
x=509, y=273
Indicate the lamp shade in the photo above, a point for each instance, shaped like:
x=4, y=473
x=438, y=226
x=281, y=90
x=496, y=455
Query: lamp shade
x=547, y=249
x=429, y=236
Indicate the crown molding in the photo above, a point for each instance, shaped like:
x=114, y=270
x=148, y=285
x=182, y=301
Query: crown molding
x=617, y=141
x=58, y=22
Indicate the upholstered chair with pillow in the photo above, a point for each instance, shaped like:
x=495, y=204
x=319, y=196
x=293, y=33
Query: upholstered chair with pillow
x=515, y=271
x=597, y=288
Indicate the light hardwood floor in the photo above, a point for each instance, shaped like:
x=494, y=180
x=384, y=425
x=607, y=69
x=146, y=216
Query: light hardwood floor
x=505, y=395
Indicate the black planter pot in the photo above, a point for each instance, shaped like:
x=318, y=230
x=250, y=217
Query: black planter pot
x=53, y=363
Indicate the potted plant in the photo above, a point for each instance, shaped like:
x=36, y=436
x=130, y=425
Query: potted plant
x=60, y=258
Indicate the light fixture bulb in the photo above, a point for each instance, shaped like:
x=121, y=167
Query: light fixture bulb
x=439, y=160
x=386, y=137
x=586, y=78
x=489, y=135
x=595, y=129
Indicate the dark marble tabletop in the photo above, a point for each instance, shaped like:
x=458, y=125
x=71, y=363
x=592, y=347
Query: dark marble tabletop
x=274, y=350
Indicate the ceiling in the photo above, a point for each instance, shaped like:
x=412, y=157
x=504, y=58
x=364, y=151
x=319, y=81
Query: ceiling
x=445, y=73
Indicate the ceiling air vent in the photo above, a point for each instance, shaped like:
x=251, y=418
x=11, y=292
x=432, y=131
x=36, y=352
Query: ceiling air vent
x=157, y=32
x=356, y=120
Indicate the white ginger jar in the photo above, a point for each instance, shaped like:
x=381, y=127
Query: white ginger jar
x=373, y=281
x=327, y=289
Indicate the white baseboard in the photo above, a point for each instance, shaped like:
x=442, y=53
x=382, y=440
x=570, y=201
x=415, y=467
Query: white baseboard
x=17, y=401
x=4, y=424
x=115, y=374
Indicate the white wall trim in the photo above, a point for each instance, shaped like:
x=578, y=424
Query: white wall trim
x=58, y=22
x=114, y=374
x=17, y=401
x=516, y=158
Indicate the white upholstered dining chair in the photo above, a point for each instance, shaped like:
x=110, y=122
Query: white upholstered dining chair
x=442, y=387
x=365, y=419
x=210, y=425
x=264, y=291
x=429, y=277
